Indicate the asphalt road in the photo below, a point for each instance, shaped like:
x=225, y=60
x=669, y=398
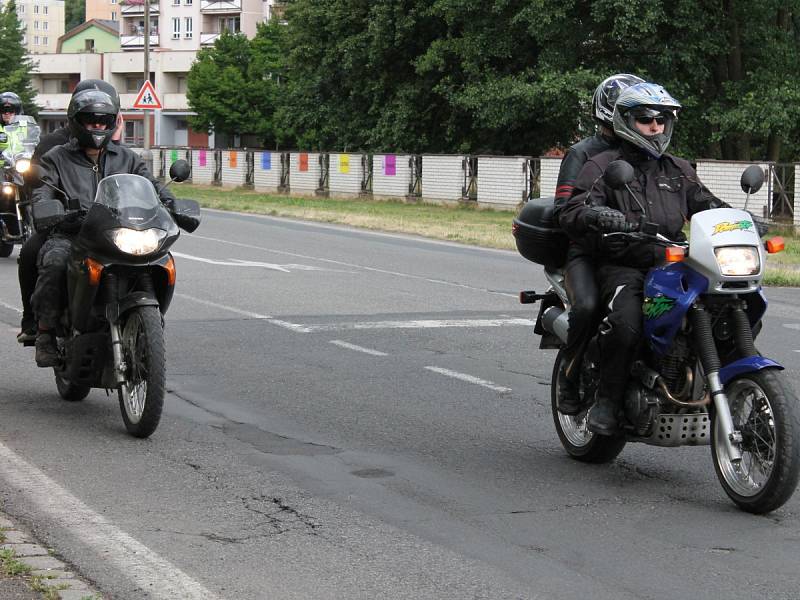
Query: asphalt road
x=360, y=415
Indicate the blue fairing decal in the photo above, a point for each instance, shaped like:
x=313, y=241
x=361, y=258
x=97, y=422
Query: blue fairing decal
x=748, y=364
x=669, y=292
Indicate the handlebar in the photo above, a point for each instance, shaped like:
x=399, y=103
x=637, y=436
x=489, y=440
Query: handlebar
x=656, y=238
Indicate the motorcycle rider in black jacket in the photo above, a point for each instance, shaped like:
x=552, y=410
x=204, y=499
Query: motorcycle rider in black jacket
x=579, y=278
x=666, y=191
x=76, y=168
x=29, y=252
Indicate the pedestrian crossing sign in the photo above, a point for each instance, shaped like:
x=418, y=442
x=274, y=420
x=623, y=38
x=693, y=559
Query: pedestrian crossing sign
x=147, y=98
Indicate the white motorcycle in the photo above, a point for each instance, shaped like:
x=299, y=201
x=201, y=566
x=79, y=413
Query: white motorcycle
x=16, y=221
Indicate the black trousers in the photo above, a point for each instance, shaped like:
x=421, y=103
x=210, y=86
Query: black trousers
x=28, y=272
x=49, y=296
x=583, y=294
x=622, y=293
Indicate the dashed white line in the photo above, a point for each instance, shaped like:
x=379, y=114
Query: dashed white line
x=238, y=311
x=10, y=307
x=420, y=324
x=146, y=569
x=470, y=379
x=357, y=348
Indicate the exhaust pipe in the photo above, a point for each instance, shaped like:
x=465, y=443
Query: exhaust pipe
x=555, y=320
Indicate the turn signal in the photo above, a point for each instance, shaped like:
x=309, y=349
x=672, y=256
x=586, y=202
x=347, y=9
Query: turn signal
x=169, y=267
x=95, y=270
x=674, y=254
x=775, y=245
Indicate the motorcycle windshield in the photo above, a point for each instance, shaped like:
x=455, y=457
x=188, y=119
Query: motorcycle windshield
x=25, y=133
x=132, y=199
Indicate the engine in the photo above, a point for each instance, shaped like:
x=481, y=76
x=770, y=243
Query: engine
x=642, y=407
x=672, y=366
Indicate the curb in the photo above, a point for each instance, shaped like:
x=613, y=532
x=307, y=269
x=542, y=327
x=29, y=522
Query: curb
x=47, y=575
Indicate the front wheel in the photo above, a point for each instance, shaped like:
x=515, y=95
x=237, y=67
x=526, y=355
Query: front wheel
x=141, y=397
x=765, y=411
x=580, y=443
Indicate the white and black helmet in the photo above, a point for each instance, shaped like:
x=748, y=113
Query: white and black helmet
x=645, y=101
x=606, y=94
x=89, y=107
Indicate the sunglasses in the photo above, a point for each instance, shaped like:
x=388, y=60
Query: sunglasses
x=7, y=110
x=660, y=119
x=93, y=119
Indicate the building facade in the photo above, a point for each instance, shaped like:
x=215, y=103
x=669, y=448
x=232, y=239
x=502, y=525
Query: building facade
x=43, y=21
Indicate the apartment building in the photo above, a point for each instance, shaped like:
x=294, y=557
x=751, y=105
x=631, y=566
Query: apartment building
x=178, y=29
x=43, y=21
x=104, y=10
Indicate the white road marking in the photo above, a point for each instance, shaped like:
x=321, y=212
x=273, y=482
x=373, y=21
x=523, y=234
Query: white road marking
x=470, y=379
x=420, y=324
x=792, y=325
x=238, y=311
x=232, y=262
x=10, y=307
x=355, y=266
x=358, y=348
x=143, y=567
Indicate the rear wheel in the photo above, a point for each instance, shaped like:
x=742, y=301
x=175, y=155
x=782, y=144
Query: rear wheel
x=141, y=397
x=69, y=391
x=580, y=443
x=6, y=249
x=765, y=411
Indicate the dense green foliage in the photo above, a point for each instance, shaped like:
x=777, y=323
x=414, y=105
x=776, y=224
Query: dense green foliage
x=15, y=76
x=516, y=76
x=74, y=13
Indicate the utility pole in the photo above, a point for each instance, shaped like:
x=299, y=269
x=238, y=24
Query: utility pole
x=147, y=155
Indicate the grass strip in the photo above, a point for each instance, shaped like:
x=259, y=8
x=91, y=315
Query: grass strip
x=466, y=224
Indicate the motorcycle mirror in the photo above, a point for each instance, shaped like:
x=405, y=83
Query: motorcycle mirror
x=33, y=176
x=180, y=171
x=752, y=179
x=618, y=174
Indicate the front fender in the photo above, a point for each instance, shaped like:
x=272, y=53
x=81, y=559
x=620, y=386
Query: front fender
x=749, y=364
x=133, y=300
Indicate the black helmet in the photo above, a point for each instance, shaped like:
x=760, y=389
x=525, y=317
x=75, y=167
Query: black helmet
x=606, y=94
x=89, y=107
x=97, y=84
x=9, y=100
x=646, y=101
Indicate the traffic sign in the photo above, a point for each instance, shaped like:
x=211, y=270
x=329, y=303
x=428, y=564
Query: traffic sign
x=147, y=98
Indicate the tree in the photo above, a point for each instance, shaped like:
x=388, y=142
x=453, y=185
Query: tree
x=233, y=85
x=17, y=66
x=74, y=13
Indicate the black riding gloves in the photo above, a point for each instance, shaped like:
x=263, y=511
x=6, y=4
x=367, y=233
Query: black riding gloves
x=604, y=219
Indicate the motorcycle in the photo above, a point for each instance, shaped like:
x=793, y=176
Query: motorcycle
x=699, y=379
x=120, y=281
x=16, y=221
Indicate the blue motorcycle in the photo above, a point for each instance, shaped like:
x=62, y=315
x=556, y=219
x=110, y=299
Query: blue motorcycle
x=699, y=379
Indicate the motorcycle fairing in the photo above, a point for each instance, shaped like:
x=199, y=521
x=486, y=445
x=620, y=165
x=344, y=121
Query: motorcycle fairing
x=748, y=364
x=669, y=292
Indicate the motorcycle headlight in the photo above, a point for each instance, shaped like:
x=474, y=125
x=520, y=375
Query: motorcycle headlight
x=23, y=165
x=136, y=242
x=8, y=189
x=738, y=260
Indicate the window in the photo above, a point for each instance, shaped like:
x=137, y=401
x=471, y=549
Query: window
x=230, y=24
x=133, y=84
x=64, y=86
x=176, y=28
x=113, y=1
x=180, y=86
x=176, y=2
x=44, y=9
x=21, y=8
x=113, y=15
x=187, y=26
x=24, y=39
x=36, y=40
x=45, y=24
x=187, y=2
x=36, y=24
x=44, y=41
x=36, y=9
x=88, y=45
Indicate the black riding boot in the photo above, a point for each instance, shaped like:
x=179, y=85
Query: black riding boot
x=602, y=418
x=569, y=398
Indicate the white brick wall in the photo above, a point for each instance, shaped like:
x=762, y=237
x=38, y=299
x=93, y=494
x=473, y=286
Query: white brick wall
x=234, y=168
x=203, y=166
x=345, y=174
x=266, y=179
x=501, y=181
x=548, y=176
x=723, y=178
x=384, y=184
x=442, y=177
x=305, y=182
x=797, y=195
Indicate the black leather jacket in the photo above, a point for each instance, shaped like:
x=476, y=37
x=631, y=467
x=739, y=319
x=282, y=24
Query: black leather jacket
x=69, y=169
x=573, y=162
x=667, y=192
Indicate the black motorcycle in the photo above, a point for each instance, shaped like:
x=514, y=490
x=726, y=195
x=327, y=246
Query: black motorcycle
x=120, y=281
x=16, y=221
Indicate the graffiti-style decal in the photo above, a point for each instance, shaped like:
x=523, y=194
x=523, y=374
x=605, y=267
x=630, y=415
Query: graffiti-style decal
x=655, y=307
x=732, y=226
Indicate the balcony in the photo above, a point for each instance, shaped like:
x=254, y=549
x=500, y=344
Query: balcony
x=53, y=102
x=207, y=39
x=130, y=8
x=134, y=42
x=175, y=102
x=220, y=6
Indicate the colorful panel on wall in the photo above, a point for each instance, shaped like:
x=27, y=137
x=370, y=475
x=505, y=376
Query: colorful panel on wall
x=266, y=161
x=233, y=159
x=390, y=165
x=303, y=161
x=201, y=158
x=344, y=163
x=173, y=156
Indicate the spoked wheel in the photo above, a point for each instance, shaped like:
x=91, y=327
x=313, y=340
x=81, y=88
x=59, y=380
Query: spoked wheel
x=765, y=412
x=580, y=443
x=71, y=392
x=141, y=397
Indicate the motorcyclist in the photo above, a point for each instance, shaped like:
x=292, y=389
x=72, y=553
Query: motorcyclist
x=77, y=168
x=666, y=191
x=29, y=252
x=579, y=277
x=10, y=107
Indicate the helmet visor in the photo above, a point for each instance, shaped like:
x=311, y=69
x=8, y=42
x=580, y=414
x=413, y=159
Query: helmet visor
x=97, y=120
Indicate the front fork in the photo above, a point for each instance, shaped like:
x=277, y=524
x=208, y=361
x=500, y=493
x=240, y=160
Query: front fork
x=120, y=368
x=709, y=359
